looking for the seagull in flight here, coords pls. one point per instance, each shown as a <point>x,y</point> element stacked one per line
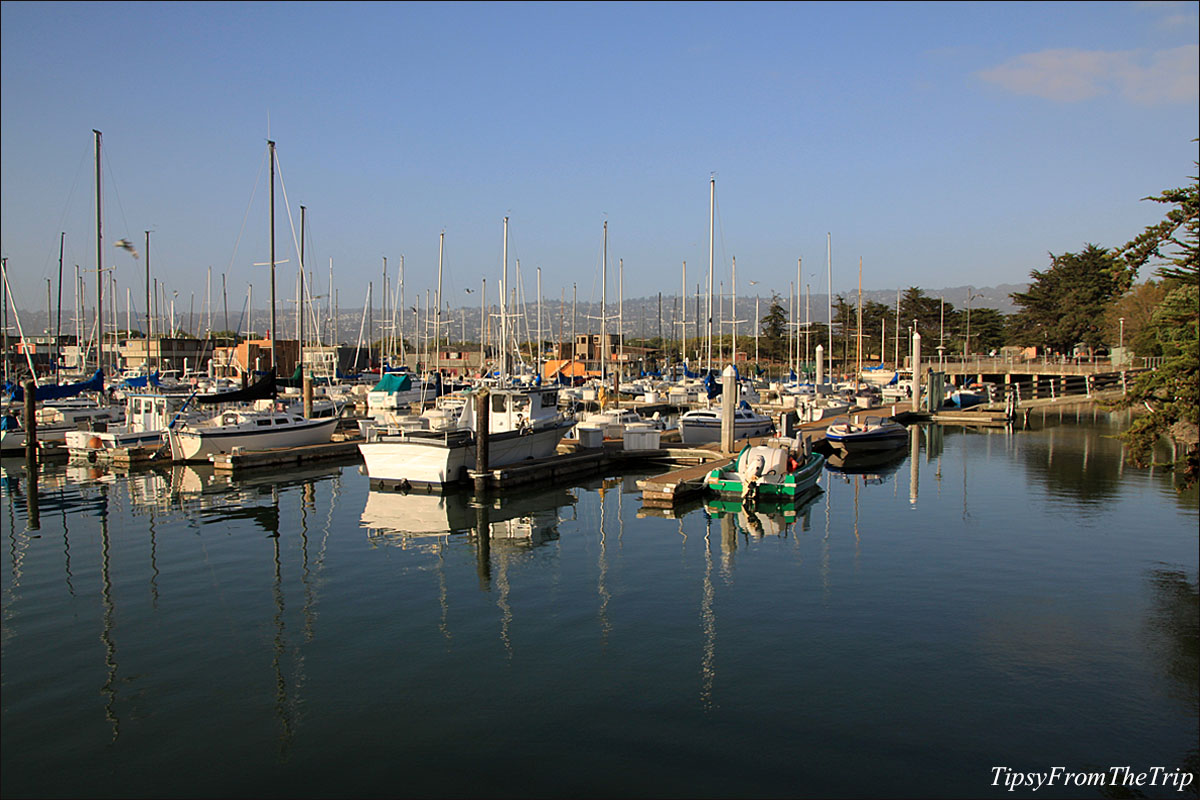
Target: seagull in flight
<point>468,291</point>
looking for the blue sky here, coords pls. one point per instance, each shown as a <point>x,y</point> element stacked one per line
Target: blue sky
<point>945,144</point>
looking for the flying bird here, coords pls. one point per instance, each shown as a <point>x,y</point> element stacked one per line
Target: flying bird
<point>753,283</point>
<point>125,244</point>
<point>468,291</point>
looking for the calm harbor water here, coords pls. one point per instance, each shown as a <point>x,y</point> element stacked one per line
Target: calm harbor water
<point>1003,599</point>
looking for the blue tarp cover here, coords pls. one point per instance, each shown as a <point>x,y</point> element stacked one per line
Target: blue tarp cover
<point>57,392</point>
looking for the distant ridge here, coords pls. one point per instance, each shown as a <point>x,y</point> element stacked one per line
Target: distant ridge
<point>641,313</point>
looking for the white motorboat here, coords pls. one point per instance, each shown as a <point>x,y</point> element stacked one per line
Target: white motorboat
<point>148,414</point>
<point>614,421</point>
<point>875,433</point>
<point>266,426</point>
<point>811,408</point>
<point>523,424</point>
<point>702,425</point>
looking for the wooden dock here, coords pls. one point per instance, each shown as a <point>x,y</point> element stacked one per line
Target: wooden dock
<point>253,459</point>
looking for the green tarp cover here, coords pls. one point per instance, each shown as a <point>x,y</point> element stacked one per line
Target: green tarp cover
<point>393,382</point>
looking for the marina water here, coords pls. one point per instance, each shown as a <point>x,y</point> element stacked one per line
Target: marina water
<point>1007,599</point>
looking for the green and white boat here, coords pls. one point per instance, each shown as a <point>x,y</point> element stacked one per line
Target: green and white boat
<point>777,469</point>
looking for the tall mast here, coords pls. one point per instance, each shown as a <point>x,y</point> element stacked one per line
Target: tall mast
<point>829,267</point>
<point>149,318</point>
<point>300,301</point>
<point>99,263</point>
<point>482,325</point>
<point>683,322</point>
<point>621,315</point>
<point>799,363</point>
<point>807,322</point>
<point>712,199</point>
<point>733,309</point>
<point>274,331</point>
<point>504,309</point>
<point>383,320</point>
<point>437,320</point>
<point>604,308</point>
<point>539,325</point>
<point>858,373</point>
<point>574,320</point>
<point>403,308</point>
<point>58,322</point>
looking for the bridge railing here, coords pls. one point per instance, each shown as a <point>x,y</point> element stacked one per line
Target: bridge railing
<point>1056,365</point>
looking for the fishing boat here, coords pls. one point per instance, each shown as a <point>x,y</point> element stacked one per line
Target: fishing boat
<point>702,425</point>
<point>523,423</point>
<point>780,468</point>
<point>148,414</point>
<point>874,433</point>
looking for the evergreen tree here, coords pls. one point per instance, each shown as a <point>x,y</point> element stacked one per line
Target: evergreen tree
<point>772,342</point>
<point>1065,305</point>
<point>1171,394</point>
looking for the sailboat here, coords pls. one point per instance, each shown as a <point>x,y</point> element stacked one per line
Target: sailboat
<point>875,433</point>
<point>268,424</point>
<point>702,425</point>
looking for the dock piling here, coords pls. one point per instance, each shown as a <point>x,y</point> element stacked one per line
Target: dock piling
<point>482,435</point>
<point>30,422</point>
<point>728,406</point>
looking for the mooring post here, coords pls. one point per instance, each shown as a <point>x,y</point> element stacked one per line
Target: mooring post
<point>482,434</point>
<point>728,406</point>
<point>916,376</point>
<point>308,396</point>
<point>30,421</point>
<point>820,367</point>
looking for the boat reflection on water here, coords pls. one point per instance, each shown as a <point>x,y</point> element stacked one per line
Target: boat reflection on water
<point>874,467</point>
<point>767,518</point>
<point>408,520</point>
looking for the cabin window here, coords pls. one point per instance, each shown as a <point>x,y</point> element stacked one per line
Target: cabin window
<point>263,421</point>
<point>549,399</point>
<point>498,403</point>
<point>521,403</point>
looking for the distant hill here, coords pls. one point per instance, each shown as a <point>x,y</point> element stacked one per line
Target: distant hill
<point>640,314</point>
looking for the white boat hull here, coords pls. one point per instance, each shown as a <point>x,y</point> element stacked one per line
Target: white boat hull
<point>708,430</point>
<point>197,444</point>
<point>429,462</point>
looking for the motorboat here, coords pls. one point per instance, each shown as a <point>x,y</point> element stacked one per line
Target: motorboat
<point>873,433</point>
<point>614,421</point>
<point>267,425</point>
<point>702,425</point>
<point>523,423</point>
<point>148,414</point>
<point>780,468</point>
<point>815,407</point>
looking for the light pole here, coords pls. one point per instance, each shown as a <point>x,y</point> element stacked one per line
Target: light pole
<point>1122,340</point>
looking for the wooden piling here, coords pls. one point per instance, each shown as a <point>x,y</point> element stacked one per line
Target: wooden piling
<point>482,434</point>
<point>30,421</point>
